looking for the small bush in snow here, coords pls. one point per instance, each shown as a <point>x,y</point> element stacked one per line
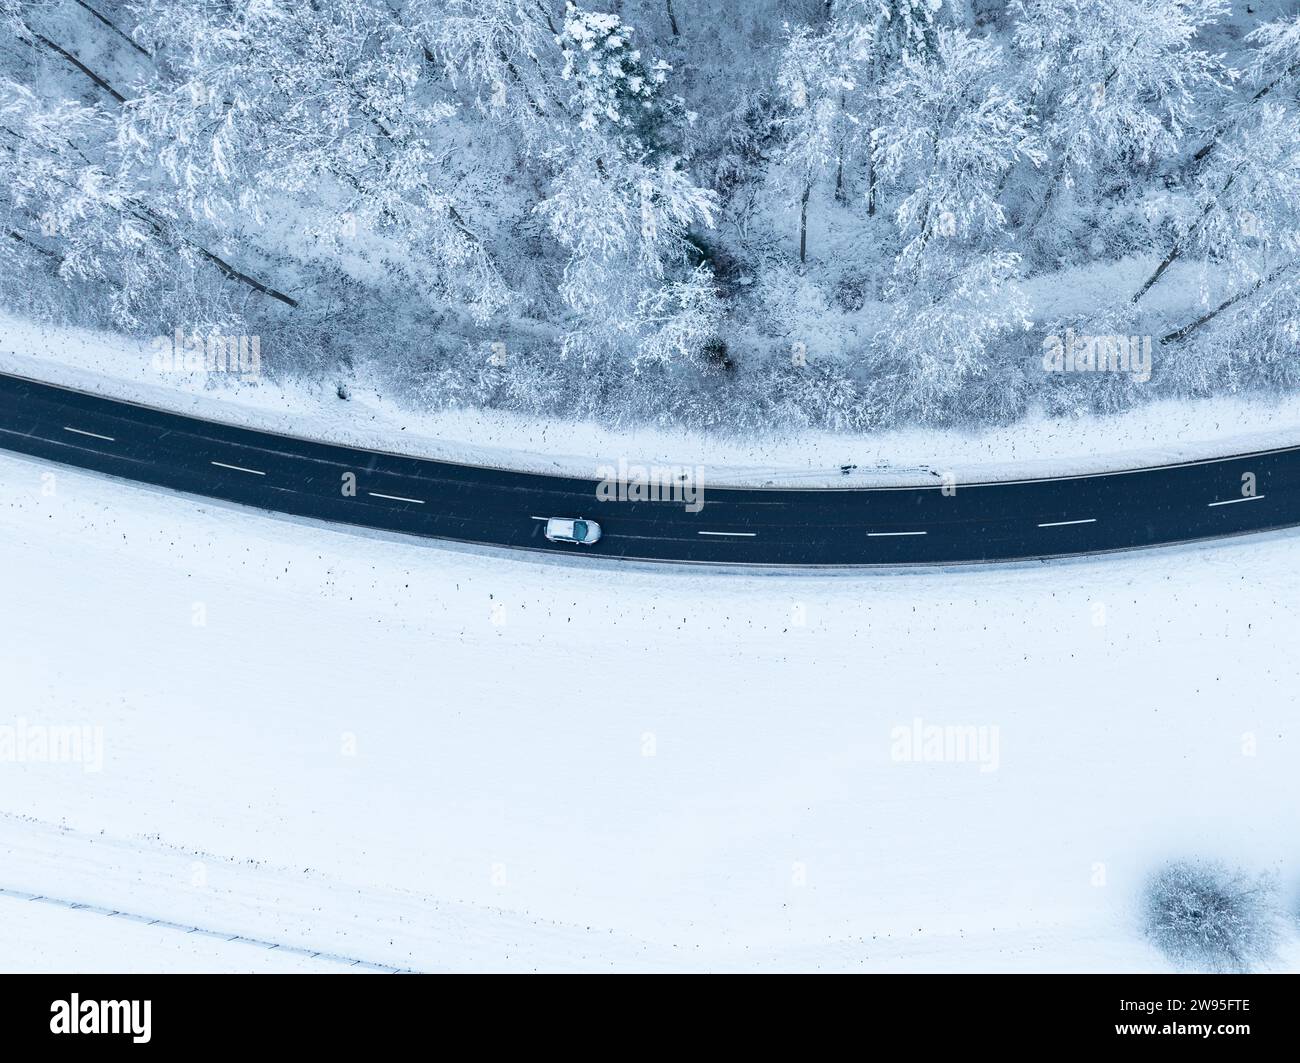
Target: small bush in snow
<point>1204,916</point>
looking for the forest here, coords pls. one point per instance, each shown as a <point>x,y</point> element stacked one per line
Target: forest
<point>746,216</point>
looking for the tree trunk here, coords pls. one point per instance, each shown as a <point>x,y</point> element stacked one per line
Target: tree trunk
<point>35,247</point>
<point>1177,249</point>
<point>550,24</point>
<point>1169,260</point>
<point>871,183</point>
<point>1181,334</point>
<point>803,224</point>
<point>99,81</point>
<point>113,26</point>
<point>672,18</point>
<point>839,159</point>
<point>163,229</point>
<point>1048,193</point>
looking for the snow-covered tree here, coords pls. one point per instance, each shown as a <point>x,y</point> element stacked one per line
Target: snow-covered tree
<point>1243,208</point>
<point>882,33</point>
<point>1209,917</point>
<point>326,104</point>
<point>949,320</point>
<point>678,320</point>
<point>1114,81</point>
<point>830,80</point>
<point>613,87</point>
<point>953,130</point>
<point>1277,58</point>
<point>813,78</point>
<point>350,175</point>
<point>1242,214</point>
<point>618,204</point>
<point>75,212</point>
<point>1274,65</point>
<point>504,51</point>
<point>632,215</point>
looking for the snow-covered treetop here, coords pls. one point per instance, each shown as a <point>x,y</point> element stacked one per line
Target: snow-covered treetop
<point>610,80</point>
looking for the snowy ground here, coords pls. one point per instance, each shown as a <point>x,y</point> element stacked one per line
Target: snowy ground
<point>1154,434</point>
<point>428,757</point>
<point>45,938</point>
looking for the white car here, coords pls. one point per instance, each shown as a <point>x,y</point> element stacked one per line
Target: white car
<point>566,530</point>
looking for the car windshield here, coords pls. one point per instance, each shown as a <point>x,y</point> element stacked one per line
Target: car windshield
<point>579,529</point>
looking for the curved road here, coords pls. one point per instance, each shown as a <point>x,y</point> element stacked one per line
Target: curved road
<point>1000,521</point>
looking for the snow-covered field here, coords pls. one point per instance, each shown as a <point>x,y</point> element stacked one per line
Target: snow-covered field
<point>427,757</point>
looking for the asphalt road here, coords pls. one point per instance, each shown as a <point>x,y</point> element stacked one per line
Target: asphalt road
<point>736,526</point>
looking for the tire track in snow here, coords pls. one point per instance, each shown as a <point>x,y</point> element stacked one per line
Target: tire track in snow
<point>350,962</point>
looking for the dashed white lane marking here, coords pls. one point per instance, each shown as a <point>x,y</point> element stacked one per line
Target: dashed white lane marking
<point>238,468</point>
<point>741,535</point>
<point>1067,523</point>
<point>395,498</point>
<point>93,435</point>
<point>1233,501</point>
<point>890,535</point>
